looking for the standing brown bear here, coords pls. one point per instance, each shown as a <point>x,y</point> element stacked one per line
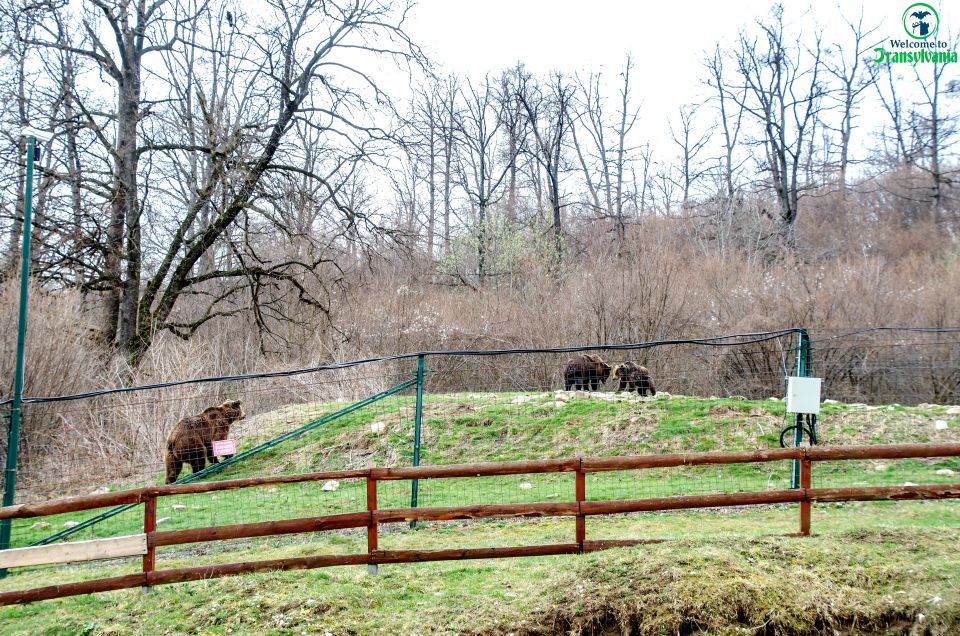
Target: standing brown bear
<point>585,373</point>
<point>191,440</point>
<point>633,376</point>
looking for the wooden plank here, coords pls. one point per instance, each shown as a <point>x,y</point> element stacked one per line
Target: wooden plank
<point>805,466</point>
<point>71,504</point>
<point>179,575</point>
<point>482,511</point>
<point>371,508</point>
<point>691,501</point>
<point>484,469</point>
<point>248,482</point>
<point>259,529</point>
<point>599,464</point>
<point>580,494</point>
<point>887,451</point>
<point>414,556</point>
<point>133,545</point>
<point>149,527</point>
<point>884,493</point>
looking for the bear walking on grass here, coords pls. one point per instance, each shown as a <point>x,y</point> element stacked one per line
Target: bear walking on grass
<point>191,440</point>
<point>632,376</point>
<point>585,373</point>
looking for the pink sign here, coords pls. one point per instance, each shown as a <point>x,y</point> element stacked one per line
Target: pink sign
<point>224,447</point>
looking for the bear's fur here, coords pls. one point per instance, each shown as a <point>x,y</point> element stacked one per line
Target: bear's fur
<point>633,376</point>
<point>191,440</point>
<point>585,372</point>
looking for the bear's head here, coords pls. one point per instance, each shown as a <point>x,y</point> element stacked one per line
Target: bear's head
<point>223,416</point>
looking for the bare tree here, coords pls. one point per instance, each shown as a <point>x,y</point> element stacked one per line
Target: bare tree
<point>484,164</point>
<point>782,90</point>
<point>691,144</point>
<point>547,109</point>
<point>847,69</point>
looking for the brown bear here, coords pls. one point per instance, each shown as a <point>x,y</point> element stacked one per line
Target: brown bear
<point>585,373</point>
<point>191,440</point>
<point>633,376</point>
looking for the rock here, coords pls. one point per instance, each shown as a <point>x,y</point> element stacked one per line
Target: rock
<point>953,410</point>
<point>941,425</point>
<point>880,468</point>
<point>331,485</point>
<point>71,524</point>
<point>774,399</point>
<point>163,520</point>
<point>526,485</point>
<point>178,507</point>
<point>41,525</point>
<point>564,395</point>
<point>945,471</point>
<point>663,394</point>
<point>102,490</point>
<point>558,404</point>
<point>378,428</point>
<point>520,399</point>
<point>909,483</point>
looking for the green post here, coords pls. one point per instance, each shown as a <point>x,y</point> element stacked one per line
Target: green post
<point>417,421</point>
<point>803,370</point>
<point>13,437</point>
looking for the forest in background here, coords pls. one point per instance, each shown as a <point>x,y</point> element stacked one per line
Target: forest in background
<point>232,190</point>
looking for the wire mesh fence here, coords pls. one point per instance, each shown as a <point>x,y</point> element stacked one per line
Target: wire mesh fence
<point>724,393</point>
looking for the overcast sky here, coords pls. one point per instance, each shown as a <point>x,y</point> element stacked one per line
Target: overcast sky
<point>473,37</point>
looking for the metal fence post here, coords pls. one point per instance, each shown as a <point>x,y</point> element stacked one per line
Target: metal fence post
<point>13,437</point>
<point>803,370</point>
<point>417,423</point>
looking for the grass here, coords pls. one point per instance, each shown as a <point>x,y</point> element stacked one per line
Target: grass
<point>871,568</point>
<point>510,426</point>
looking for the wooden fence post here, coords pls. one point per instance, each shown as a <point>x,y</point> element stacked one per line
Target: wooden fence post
<point>149,527</point>
<point>581,495</point>
<point>372,525</point>
<point>805,468</point>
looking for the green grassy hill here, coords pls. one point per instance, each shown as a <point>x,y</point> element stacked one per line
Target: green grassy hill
<point>875,566</point>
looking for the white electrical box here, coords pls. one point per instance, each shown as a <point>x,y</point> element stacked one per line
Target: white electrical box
<point>803,395</point>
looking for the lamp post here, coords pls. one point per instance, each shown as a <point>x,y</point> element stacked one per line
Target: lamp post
<point>13,438</point>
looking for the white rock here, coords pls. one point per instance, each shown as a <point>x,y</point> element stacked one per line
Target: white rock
<point>102,490</point>
<point>331,485</point>
<point>558,404</point>
<point>520,399</point>
<point>880,468</point>
<point>831,401</point>
<point>163,520</point>
<point>378,428</point>
<point>909,483</point>
<point>945,471</point>
<point>774,399</point>
<point>936,599</point>
<point>178,507</point>
<point>920,618</point>
<point>526,485</point>
<point>70,524</point>
<point>564,395</point>
<point>40,525</point>
<point>953,410</point>
<point>941,425</point>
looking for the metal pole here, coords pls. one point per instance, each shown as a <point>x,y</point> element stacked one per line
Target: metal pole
<point>13,438</point>
<point>803,353</point>
<point>417,422</point>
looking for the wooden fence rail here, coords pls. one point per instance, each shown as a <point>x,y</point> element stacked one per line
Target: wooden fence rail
<point>580,509</point>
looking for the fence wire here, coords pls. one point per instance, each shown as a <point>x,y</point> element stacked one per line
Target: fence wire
<point>725,393</point>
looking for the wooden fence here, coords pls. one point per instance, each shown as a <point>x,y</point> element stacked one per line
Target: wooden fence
<point>145,544</point>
